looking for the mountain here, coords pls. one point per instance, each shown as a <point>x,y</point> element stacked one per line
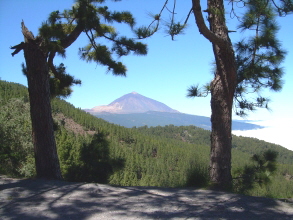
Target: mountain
<point>132,103</point>
<point>137,110</point>
<point>153,119</point>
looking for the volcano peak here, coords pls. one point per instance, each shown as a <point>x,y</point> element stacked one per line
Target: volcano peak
<point>132,103</point>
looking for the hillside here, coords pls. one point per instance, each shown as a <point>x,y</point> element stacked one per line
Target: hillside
<point>196,135</point>
<point>93,150</point>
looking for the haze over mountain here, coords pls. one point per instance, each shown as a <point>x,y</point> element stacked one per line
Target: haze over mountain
<point>137,110</point>
<point>132,103</point>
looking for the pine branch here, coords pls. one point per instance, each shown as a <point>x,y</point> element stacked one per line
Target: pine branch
<point>187,18</point>
<point>72,36</point>
<point>173,14</point>
<point>145,32</point>
<point>51,64</point>
<point>203,29</point>
<point>17,48</point>
<point>91,38</point>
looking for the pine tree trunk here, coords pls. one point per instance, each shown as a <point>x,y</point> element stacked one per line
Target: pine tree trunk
<point>46,158</point>
<point>220,155</point>
<point>222,93</point>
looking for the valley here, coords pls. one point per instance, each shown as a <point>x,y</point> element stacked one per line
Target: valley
<point>93,150</point>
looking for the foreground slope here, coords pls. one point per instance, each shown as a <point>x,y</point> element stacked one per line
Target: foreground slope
<point>39,199</point>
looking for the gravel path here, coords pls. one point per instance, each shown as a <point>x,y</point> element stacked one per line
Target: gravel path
<point>40,199</point>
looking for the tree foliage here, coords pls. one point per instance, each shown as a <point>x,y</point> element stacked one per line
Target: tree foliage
<point>87,17</point>
<point>258,56</point>
<point>16,149</point>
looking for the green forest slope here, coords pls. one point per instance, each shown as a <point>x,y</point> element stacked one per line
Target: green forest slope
<point>93,150</point>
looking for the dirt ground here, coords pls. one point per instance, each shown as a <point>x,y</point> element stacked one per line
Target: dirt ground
<point>42,199</point>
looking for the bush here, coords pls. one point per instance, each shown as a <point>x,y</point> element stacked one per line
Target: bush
<point>259,172</point>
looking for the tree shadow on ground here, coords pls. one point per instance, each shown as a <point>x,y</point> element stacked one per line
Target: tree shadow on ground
<point>40,199</point>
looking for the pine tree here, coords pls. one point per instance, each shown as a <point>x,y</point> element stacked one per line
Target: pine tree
<point>55,36</point>
<point>254,66</point>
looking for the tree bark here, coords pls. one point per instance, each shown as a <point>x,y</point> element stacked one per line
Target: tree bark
<point>221,138</point>
<point>37,57</point>
<point>222,94</point>
<point>222,91</point>
<point>46,158</point>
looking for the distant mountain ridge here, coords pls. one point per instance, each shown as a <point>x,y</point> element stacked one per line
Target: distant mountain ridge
<point>153,119</point>
<point>137,110</point>
<point>132,103</point>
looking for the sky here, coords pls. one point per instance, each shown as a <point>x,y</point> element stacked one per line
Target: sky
<point>164,74</point>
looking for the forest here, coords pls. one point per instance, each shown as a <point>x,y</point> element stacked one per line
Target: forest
<point>93,150</point>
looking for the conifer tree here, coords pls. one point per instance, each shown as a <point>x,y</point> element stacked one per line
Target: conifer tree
<point>254,66</point>
<point>54,37</point>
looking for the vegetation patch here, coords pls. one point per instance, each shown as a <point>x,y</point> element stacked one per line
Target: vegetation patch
<point>93,150</point>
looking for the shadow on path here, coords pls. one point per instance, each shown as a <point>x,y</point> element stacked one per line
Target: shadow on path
<point>41,199</point>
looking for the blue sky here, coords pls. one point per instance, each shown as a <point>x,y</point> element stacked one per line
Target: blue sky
<point>164,74</point>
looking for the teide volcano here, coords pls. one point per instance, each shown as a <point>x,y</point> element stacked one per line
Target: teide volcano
<point>137,110</point>
<point>132,103</point>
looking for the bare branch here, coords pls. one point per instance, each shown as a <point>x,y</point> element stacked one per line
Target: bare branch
<point>187,18</point>
<point>282,11</point>
<point>17,48</point>
<point>28,35</point>
<point>203,29</point>
<point>233,14</point>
